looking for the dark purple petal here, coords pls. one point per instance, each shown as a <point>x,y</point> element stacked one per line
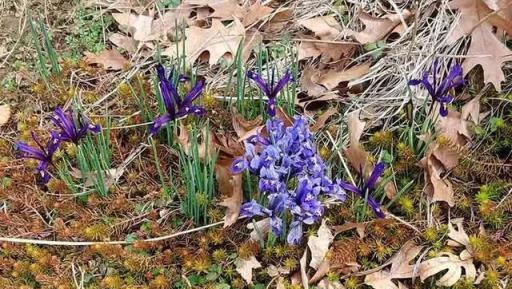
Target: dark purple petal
<point>239,165</point>
<point>53,144</point>
<point>287,77</point>
<point>443,110</point>
<point>426,83</point>
<point>414,82</point>
<point>65,122</point>
<point>350,187</point>
<point>26,151</point>
<point>159,122</point>
<point>166,84</point>
<point>194,93</point>
<point>95,128</point>
<point>264,87</point>
<point>295,233</point>
<point>375,207</point>
<point>378,170</point>
<point>454,79</point>
<point>166,98</point>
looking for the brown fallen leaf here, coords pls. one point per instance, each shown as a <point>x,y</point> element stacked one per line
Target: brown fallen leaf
<point>308,85</point>
<point>5,113</point>
<point>332,78</point>
<point>435,187</point>
<point>222,9</point>
<point>256,12</point>
<point>485,49</point>
<point>259,229</point>
<point>245,266</point>
<point>230,186</point>
<point>360,228</point>
<point>218,40</point>
<point>322,119</point>
<point>458,237</point>
<point>400,268</point>
<point>454,128</point>
<point>356,155</point>
<point>327,29</point>
<point>377,28</point>
<point>450,262</point>
<point>125,42</point>
<point>109,59</point>
<point>243,126</point>
<point>471,110</point>
<point>303,270</point>
<point>252,42</point>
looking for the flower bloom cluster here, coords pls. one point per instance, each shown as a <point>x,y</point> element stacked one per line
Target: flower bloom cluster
<point>292,176</point>
<point>175,106</point>
<point>72,129</point>
<point>439,87</point>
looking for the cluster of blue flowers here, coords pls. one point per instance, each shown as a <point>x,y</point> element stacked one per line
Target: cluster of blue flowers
<point>71,129</point>
<point>292,175</point>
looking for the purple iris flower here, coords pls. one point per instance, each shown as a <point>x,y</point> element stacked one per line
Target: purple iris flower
<point>292,176</point>
<point>440,87</point>
<point>72,129</point>
<point>272,89</point>
<point>175,106</point>
<point>368,188</point>
<point>40,153</point>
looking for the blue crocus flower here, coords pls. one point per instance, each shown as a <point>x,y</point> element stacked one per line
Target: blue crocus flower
<point>40,153</point>
<point>368,188</point>
<point>439,87</point>
<point>175,106</point>
<point>71,129</point>
<point>272,89</point>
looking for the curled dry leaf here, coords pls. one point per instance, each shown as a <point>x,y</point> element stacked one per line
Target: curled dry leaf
<point>377,28</point>
<point>245,267</point>
<point>319,245</point>
<point>242,126</point>
<point>435,187</point>
<point>230,186</point>
<point>5,113</point>
<point>109,59</point>
<point>222,9</point>
<point>360,228</point>
<point>125,42</point>
<point>326,28</point>
<point>356,155</point>
<point>458,237</point>
<point>400,268</point>
<point>322,119</point>
<point>450,262</point>
<point>332,78</point>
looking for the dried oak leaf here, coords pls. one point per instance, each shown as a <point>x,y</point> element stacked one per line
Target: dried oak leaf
<point>377,28</point>
<point>400,268</point>
<point>326,28</point>
<point>255,13</point>
<point>453,264</point>
<point>330,79</point>
<point>485,49</point>
<point>125,42</point>
<point>5,113</point>
<point>109,59</point>
<point>222,9</point>
<point>322,119</point>
<point>245,267</point>
<point>242,126</point>
<point>218,41</point>
<point>327,284</point>
<point>360,228</point>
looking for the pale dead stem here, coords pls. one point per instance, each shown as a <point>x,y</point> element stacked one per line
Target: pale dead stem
<point>87,243</point>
